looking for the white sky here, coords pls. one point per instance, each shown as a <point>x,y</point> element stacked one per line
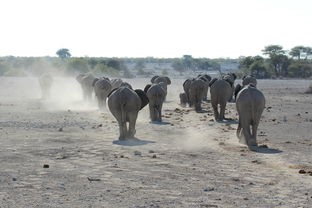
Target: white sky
<point>158,28</point>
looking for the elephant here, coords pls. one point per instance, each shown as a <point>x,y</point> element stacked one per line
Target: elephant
<point>230,78</point>
<point>87,82</point>
<point>102,87</point>
<point>45,81</point>
<point>197,87</point>
<point>125,103</point>
<point>220,91</point>
<point>186,88</point>
<point>247,79</point>
<point>116,83</point>
<point>183,99</point>
<point>161,79</point>
<point>250,104</point>
<point>156,96</point>
<point>206,78</point>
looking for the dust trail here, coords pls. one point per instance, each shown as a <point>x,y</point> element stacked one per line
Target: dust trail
<point>193,139</point>
<point>66,94</point>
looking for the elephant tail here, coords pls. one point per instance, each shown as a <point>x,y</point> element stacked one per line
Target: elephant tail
<point>252,105</point>
<point>123,113</point>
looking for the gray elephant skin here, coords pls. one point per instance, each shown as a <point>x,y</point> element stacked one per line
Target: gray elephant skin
<point>156,95</point>
<point>220,91</point>
<point>86,81</point>
<point>250,104</point>
<point>45,82</point>
<point>125,104</point>
<point>197,87</point>
<point>206,78</point>
<point>102,87</point>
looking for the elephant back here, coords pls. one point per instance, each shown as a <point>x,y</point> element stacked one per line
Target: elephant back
<point>103,84</point>
<point>116,83</point>
<point>164,79</point>
<point>153,78</point>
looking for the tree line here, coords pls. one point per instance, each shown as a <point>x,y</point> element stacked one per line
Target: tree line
<point>275,63</point>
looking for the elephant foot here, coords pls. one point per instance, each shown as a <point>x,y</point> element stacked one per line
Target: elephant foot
<point>131,134</point>
<point>122,138</point>
<point>253,148</point>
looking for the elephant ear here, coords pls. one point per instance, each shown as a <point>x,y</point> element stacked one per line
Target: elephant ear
<point>207,77</point>
<point>212,81</point>
<point>94,81</point>
<point>147,87</point>
<point>111,92</point>
<point>143,96</point>
<point>238,88</point>
<point>153,78</point>
<point>186,81</point>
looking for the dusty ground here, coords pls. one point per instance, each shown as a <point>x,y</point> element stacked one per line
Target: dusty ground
<point>189,160</point>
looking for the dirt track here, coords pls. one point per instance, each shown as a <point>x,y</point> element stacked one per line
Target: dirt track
<point>189,160</point>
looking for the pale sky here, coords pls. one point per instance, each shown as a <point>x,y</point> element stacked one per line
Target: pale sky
<point>158,28</point>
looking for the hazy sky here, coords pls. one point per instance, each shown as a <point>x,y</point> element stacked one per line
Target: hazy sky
<point>158,28</point>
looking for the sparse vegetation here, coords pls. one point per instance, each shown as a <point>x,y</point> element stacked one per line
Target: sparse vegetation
<point>278,64</point>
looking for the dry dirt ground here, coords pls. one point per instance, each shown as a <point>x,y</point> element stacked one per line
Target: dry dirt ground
<point>63,152</point>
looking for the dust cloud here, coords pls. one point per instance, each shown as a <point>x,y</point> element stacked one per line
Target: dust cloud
<point>66,94</point>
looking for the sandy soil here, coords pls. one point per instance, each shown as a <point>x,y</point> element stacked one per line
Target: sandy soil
<point>64,152</point>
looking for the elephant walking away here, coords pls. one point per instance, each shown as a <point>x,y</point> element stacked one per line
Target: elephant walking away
<point>102,87</point>
<point>156,95</point>
<point>87,82</point>
<point>250,104</point>
<point>45,81</point>
<point>196,90</point>
<point>125,104</point>
<point>220,91</point>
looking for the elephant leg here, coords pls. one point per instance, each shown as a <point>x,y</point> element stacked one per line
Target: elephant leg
<point>239,131</point>
<point>198,106</point>
<point>132,121</point>
<point>205,92</point>
<point>152,112</point>
<point>222,111</point>
<point>122,130</point>
<point>159,112</point>
<point>253,140</point>
<point>215,110</point>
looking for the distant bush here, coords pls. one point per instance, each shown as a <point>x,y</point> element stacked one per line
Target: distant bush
<point>107,71</point>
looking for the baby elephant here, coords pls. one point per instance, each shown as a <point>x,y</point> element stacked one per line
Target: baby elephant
<point>250,104</point>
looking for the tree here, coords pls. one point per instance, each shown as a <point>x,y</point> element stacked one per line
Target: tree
<point>296,51</point>
<point>272,50</point>
<point>188,62</point>
<point>277,57</point>
<point>63,53</point>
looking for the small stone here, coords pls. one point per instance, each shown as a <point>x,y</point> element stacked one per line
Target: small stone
<point>151,151</point>
<point>46,166</point>
<point>14,179</point>
<point>302,171</point>
<point>138,153</point>
<point>60,129</point>
<point>154,156</point>
<point>209,189</point>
